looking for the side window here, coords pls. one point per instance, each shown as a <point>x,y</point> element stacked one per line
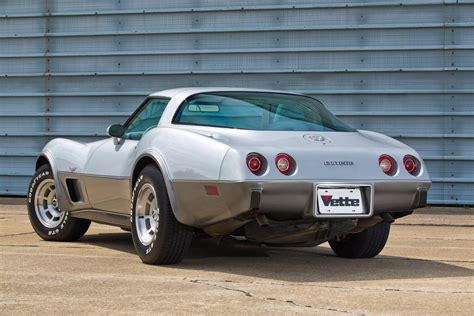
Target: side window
<point>146,118</point>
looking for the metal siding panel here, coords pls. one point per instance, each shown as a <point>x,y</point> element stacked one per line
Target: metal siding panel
<point>12,7</point>
<point>21,46</point>
<point>296,81</point>
<point>442,147</point>
<point>21,165</point>
<point>87,6</point>
<point>405,103</point>
<point>21,105</point>
<point>10,66</point>
<point>451,169</point>
<point>319,61</point>
<point>91,105</point>
<point>281,39</point>
<point>405,70</point>
<point>249,19</point>
<point>18,26</point>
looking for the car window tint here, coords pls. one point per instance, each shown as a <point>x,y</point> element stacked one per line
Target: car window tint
<point>258,111</point>
<point>147,118</point>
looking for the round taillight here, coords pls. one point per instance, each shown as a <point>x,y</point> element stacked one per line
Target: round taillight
<point>283,163</point>
<point>254,163</point>
<point>386,163</point>
<point>410,164</point>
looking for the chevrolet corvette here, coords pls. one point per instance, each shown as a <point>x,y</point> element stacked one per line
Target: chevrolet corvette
<point>253,166</point>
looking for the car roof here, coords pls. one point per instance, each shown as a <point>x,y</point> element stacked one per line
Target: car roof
<point>195,90</point>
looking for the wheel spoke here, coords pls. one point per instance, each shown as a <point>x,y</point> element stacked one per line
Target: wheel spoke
<point>46,204</point>
<point>148,222</point>
<point>53,212</point>
<point>146,219</point>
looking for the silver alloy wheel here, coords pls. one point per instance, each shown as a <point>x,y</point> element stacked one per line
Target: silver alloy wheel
<point>147,214</point>
<point>46,204</point>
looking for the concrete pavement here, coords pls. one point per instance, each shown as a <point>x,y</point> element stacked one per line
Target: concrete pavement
<point>426,268</point>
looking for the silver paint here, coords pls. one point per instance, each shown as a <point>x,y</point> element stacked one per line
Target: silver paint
<point>191,156</point>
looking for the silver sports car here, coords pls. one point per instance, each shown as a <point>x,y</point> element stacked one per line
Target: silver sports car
<point>252,166</point>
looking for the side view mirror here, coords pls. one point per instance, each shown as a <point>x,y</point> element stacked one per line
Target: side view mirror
<point>116,130</point>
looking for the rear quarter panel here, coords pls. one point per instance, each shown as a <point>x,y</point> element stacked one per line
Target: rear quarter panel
<point>188,161</point>
<point>186,155</point>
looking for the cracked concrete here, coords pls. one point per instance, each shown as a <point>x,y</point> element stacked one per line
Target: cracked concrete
<point>248,294</point>
<point>426,268</point>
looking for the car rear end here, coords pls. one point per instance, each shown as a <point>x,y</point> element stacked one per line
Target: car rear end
<point>326,175</point>
<point>293,173</point>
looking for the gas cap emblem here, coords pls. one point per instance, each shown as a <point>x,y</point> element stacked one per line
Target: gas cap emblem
<point>315,138</point>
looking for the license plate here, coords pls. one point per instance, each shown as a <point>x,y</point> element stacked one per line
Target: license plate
<point>340,201</point>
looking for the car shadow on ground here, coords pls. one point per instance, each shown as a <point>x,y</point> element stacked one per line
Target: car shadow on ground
<point>318,264</point>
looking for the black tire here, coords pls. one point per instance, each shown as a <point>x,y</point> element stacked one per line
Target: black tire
<point>171,239</point>
<point>366,244</point>
<point>67,228</point>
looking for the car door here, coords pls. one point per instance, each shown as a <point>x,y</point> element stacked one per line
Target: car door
<point>109,166</point>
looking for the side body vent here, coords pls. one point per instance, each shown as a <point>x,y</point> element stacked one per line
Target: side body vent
<point>74,190</point>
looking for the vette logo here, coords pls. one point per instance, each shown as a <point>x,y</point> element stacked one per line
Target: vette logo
<point>342,201</point>
<point>339,163</point>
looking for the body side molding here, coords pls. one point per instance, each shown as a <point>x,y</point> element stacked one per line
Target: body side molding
<point>104,217</point>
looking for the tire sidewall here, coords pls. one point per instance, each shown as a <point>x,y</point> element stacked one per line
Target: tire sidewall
<point>146,252</point>
<point>42,174</point>
<point>366,244</point>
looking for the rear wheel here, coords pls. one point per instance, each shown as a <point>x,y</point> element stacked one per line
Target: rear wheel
<point>158,237</point>
<point>47,219</point>
<point>366,244</point>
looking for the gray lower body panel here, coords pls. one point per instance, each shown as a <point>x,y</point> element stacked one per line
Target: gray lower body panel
<point>101,199</point>
<point>103,217</point>
<point>109,194</point>
<point>204,203</point>
<point>281,200</point>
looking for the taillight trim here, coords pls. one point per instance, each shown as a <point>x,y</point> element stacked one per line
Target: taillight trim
<point>261,163</point>
<point>393,165</point>
<point>292,166</point>
<point>287,170</point>
<point>416,165</point>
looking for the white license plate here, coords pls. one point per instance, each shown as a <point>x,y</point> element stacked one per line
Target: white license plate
<point>340,201</point>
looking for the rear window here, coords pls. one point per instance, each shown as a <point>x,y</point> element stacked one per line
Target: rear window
<point>258,111</point>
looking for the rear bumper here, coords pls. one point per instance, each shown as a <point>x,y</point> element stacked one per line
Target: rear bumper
<point>283,200</point>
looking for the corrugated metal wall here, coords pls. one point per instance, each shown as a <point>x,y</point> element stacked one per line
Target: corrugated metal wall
<point>404,68</point>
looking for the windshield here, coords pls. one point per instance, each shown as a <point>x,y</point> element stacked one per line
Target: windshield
<point>258,111</point>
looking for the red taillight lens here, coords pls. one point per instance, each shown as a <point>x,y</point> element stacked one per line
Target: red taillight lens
<point>410,164</point>
<point>254,163</point>
<point>283,163</point>
<point>386,163</point>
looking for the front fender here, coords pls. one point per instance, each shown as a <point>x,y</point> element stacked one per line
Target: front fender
<point>48,155</point>
<point>63,155</point>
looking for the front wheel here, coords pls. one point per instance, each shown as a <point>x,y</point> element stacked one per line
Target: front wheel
<point>158,237</point>
<point>366,244</point>
<point>48,220</point>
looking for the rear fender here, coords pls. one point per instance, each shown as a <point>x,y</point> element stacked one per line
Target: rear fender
<point>161,164</point>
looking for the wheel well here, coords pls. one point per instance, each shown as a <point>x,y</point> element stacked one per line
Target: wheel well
<point>142,163</point>
<point>42,160</point>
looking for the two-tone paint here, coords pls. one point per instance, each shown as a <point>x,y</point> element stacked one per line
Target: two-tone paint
<point>193,157</point>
